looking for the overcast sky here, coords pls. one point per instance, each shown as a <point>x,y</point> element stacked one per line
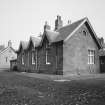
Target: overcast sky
<point>19,19</point>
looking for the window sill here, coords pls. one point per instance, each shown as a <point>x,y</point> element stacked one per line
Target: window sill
<point>48,63</point>
<point>90,63</point>
<point>33,63</point>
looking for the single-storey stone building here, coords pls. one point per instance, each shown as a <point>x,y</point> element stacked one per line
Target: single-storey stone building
<point>6,54</point>
<point>70,49</point>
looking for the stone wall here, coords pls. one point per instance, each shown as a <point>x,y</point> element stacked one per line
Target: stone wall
<point>76,53</point>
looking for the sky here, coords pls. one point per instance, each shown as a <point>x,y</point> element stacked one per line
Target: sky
<point>20,19</point>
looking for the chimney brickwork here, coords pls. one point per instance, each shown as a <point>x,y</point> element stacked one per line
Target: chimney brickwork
<point>58,23</point>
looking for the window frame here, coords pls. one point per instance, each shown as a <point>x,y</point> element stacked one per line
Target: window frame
<point>22,59</point>
<point>33,58</point>
<point>47,62</point>
<point>91,56</point>
<point>28,55</point>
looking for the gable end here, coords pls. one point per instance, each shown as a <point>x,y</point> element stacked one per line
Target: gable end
<point>93,35</point>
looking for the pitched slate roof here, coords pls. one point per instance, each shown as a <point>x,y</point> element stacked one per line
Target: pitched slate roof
<point>35,41</point>
<point>68,29</point>
<point>5,49</point>
<point>52,35</point>
<point>63,32</point>
<point>23,44</point>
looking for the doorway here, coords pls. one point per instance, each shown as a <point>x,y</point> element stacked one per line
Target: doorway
<point>102,64</point>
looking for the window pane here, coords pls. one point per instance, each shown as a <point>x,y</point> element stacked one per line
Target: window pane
<point>47,58</point>
<point>33,59</point>
<point>23,60</point>
<point>91,57</point>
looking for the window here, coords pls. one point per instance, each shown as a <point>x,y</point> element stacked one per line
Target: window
<point>28,58</point>
<point>22,59</point>
<point>47,62</point>
<point>33,58</point>
<point>36,56</point>
<point>91,56</point>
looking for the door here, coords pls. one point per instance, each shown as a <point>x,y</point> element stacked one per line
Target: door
<point>102,64</point>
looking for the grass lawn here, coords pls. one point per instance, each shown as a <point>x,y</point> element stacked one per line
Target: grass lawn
<point>22,90</point>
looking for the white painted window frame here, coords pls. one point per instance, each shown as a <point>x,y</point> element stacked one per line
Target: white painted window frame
<point>32,58</point>
<point>47,62</point>
<point>36,58</point>
<point>91,56</point>
<point>22,59</point>
<point>28,55</point>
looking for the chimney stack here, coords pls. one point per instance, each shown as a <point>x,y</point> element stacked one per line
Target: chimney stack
<point>101,40</point>
<point>58,23</point>
<point>46,26</point>
<point>9,43</point>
